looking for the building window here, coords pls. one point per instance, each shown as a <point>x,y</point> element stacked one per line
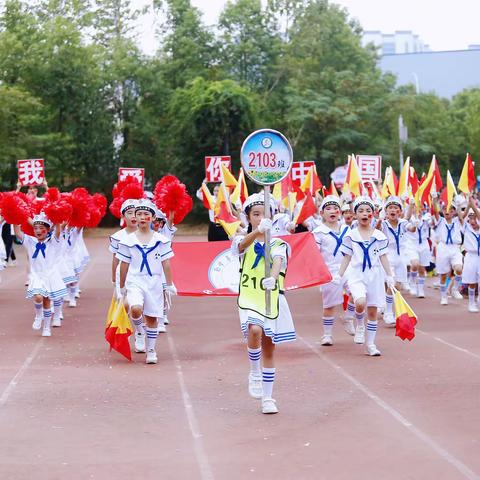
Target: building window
<point>388,48</point>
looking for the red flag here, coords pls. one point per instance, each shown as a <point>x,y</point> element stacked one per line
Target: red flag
<point>118,329</point>
<point>414,183</point>
<point>443,196</point>
<point>405,318</point>
<point>308,209</point>
<point>210,268</point>
<point>395,182</point>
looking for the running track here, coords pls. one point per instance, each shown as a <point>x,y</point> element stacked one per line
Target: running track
<point>70,409</point>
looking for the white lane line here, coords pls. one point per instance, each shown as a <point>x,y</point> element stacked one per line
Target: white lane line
<point>201,456</point>
<point>448,344</point>
<point>447,456</point>
<point>14,381</point>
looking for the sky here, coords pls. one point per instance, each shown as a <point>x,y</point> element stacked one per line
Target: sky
<point>447,25</point>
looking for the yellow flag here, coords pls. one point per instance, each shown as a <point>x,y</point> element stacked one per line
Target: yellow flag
<point>404,177</point>
<point>228,178</point>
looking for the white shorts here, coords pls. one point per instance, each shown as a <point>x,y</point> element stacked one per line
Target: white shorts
<point>471,268</point>
<point>147,292</point>
<point>399,266</point>
<point>420,253</point>
<point>447,257</point>
<point>369,285</point>
<point>332,293</point>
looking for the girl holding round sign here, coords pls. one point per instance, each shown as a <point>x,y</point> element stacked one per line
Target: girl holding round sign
<point>265,317</point>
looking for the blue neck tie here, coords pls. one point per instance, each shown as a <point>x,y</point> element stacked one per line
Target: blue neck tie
<point>396,235</point>
<point>145,253</point>
<point>338,239</point>
<point>366,255</point>
<point>449,234</point>
<point>419,230</point>
<point>39,248</point>
<point>477,238</point>
<point>259,249</point>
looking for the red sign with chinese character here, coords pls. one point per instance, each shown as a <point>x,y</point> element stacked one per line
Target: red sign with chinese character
<point>31,172</point>
<point>212,167</point>
<point>300,170</point>
<point>370,166</point>
<point>138,173</point>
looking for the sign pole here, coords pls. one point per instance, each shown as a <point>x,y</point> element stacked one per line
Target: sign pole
<point>266,196</point>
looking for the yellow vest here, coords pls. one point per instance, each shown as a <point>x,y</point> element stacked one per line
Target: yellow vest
<point>252,294</point>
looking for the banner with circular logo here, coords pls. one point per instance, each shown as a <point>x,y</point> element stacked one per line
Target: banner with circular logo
<point>266,157</point>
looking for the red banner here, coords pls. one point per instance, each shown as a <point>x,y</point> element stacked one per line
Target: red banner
<point>209,268</point>
<point>31,172</point>
<point>212,168</point>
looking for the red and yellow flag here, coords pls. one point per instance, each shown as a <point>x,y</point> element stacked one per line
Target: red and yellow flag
<point>118,328</point>
<point>223,212</point>
<point>435,171</point>
<point>423,192</point>
<point>227,177</point>
<point>240,194</point>
<point>404,183</point>
<point>308,208</point>
<point>451,190</point>
<point>405,318</point>
<point>413,180</point>
<point>207,198</point>
<point>354,178</point>
<point>311,183</point>
<point>467,179</point>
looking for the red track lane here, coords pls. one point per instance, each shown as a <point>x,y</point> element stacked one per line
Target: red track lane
<point>70,409</point>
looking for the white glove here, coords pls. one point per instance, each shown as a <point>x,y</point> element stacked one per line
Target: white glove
<point>123,291</point>
<point>390,281</point>
<point>265,224</point>
<point>171,289</point>
<point>290,226</point>
<point>269,283</point>
<point>405,196</point>
<point>336,278</point>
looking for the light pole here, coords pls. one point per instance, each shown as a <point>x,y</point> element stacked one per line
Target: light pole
<point>403,137</point>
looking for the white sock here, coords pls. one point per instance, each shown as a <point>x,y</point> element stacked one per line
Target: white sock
<point>38,309</point>
<point>371,331</point>
<point>47,318</point>
<point>71,291</point>
<point>389,304</point>
<point>268,377</point>
<point>57,307</point>
<point>471,296</point>
<point>413,278</point>
<point>457,282</point>
<point>255,357</point>
<point>152,335</point>
<point>421,282</point>
<point>443,290</point>
<point>328,325</point>
<point>350,313</point>
<point>138,324</point>
<point>360,319</point>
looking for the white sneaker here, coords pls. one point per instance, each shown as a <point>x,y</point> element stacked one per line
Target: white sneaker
<point>444,301</point>
<point>389,319</point>
<point>359,335</point>
<point>77,294</point>
<point>269,405</point>
<point>255,388</point>
<point>372,350</point>
<point>37,323</point>
<point>414,290</point>
<point>72,303</point>
<point>151,357</point>
<point>327,341</point>
<point>456,294</point>
<point>420,293</point>
<point>140,342</point>
<point>46,332</point>
<point>56,322</point>
<point>161,327</point>
<point>166,321</point>
<point>348,326</point>
<point>473,307</point>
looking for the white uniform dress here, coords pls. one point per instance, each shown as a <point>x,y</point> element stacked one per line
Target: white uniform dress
<point>471,267</point>
<point>69,253</point>
<point>83,257</point>
<point>418,247</point>
<point>329,243</point>
<point>397,246</point>
<point>449,237</point>
<point>365,276</point>
<point>115,240</point>
<point>65,264</point>
<point>280,329</point>
<point>279,224</point>
<point>144,279</point>
<point>44,278</point>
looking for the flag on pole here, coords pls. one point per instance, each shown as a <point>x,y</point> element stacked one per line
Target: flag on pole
<point>311,183</point>
<point>435,171</point>
<point>207,198</point>
<point>404,182</point>
<point>353,180</point>
<point>405,318</point>
<point>227,178</point>
<point>118,328</point>
<point>413,180</point>
<point>451,190</point>
<point>308,208</point>
<point>424,190</point>
<point>467,178</point>
<point>223,212</point>
<point>240,194</point>
<point>332,190</point>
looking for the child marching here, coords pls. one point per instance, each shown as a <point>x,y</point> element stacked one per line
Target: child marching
<point>365,252</point>
<point>263,331</point>
<point>144,256</point>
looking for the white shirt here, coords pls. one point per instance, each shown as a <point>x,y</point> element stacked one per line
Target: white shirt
<point>365,253</point>
<point>471,241</point>
<point>329,243</point>
<point>42,259</point>
<point>397,240</point>
<point>443,228</point>
<point>279,224</point>
<point>116,239</point>
<point>145,260</point>
<point>419,238</point>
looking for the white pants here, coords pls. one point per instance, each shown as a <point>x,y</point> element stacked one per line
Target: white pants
<point>447,257</point>
<point>471,268</point>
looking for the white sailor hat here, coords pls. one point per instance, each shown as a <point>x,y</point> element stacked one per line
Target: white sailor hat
<point>257,199</point>
<point>393,201</point>
<point>128,204</point>
<point>160,215</point>
<point>42,219</point>
<point>147,205</point>
<point>363,201</point>
<point>330,200</point>
<point>346,207</point>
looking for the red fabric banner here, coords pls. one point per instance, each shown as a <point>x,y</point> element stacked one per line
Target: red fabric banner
<point>209,268</point>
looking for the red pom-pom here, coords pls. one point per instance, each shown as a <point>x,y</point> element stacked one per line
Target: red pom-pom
<point>121,184</point>
<point>27,229</point>
<point>80,208</point>
<point>115,207</point>
<point>14,209</point>
<point>81,193</point>
<point>59,211</point>
<point>171,196</point>
<point>37,205</point>
<point>132,191</point>
<point>52,195</point>
<point>100,201</point>
<point>98,207</point>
